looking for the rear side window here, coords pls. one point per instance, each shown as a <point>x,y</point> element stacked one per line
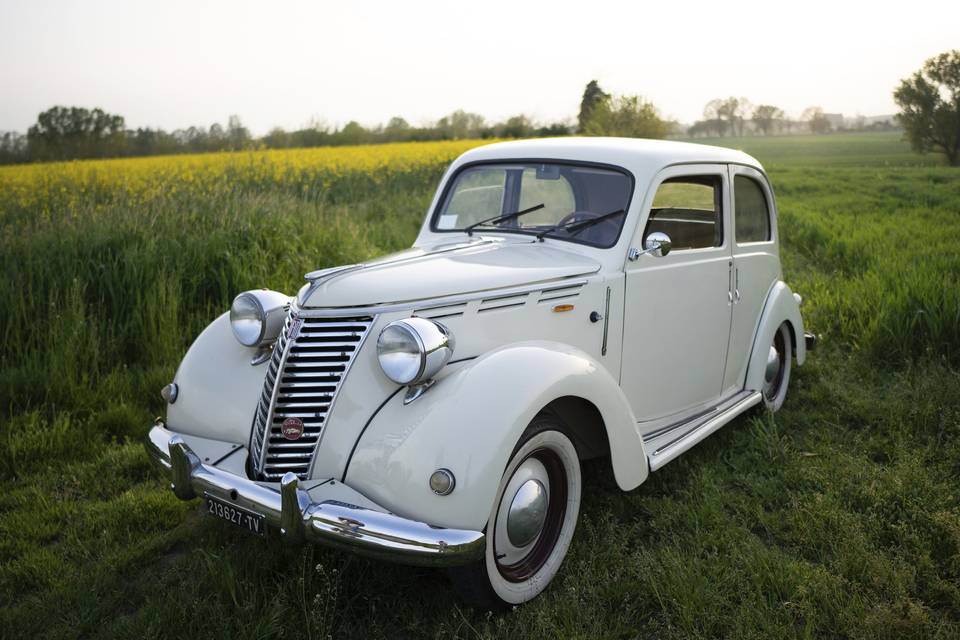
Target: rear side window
<point>688,210</point>
<point>750,210</point>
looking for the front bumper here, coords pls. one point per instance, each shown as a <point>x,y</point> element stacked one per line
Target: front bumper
<point>299,518</point>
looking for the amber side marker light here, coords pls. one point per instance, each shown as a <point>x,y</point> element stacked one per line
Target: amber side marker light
<point>560,308</point>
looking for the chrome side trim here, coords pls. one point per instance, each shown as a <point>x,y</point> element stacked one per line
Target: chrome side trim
<point>389,307</point>
<point>699,428</point>
<point>330,522</point>
<point>606,323</point>
<point>321,276</point>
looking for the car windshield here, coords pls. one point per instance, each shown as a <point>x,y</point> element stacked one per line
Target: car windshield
<point>558,195</point>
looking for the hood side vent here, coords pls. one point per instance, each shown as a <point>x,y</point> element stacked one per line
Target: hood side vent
<point>442,311</point>
<point>503,302</point>
<point>559,293</point>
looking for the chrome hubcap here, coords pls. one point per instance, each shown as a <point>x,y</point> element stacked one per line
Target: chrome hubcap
<point>521,516</point>
<point>773,365</point>
<point>776,364</point>
<point>527,512</point>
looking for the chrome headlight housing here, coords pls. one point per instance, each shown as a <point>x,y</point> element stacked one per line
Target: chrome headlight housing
<point>412,350</point>
<point>257,316</point>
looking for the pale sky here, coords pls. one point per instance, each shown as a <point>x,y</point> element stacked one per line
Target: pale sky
<point>176,63</point>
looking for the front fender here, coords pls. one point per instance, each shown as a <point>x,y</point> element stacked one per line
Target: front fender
<point>781,306</point>
<point>470,421</point>
<point>218,389</point>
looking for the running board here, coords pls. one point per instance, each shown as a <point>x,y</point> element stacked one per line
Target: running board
<point>665,444</point>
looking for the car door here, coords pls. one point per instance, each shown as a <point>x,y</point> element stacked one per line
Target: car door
<point>756,265</point>
<point>677,307</point>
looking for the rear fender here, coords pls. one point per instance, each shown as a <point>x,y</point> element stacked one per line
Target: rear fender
<point>470,421</point>
<point>781,306</point>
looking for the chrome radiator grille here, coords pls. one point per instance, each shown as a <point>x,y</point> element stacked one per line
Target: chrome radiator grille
<point>309,362</point>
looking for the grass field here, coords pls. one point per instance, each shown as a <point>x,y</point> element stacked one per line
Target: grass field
<point>838,517</point>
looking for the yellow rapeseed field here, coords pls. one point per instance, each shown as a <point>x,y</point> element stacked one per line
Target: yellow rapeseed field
<point>314,172</point>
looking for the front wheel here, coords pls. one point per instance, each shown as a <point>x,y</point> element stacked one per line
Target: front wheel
<point>531,523</point>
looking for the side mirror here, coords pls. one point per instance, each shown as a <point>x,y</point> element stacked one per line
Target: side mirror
<point>658,244</point>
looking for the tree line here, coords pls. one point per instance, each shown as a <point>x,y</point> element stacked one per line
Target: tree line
<point>737,116</point>
<point>68,133</point>
<point>929,102</point>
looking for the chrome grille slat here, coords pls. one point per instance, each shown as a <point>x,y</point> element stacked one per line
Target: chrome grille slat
<point>302,381</point>
<point>306,375</point>
<point>286,445</point>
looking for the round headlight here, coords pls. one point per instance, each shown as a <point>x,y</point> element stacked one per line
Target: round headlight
<point>256,317</point>
<point>413,350</point>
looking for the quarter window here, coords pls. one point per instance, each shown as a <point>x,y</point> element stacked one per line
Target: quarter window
<point>750,210</point>
<point>688,210</point>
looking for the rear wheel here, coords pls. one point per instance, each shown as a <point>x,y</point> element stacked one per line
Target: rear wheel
<point>532,521</point>
<point>776,375</point>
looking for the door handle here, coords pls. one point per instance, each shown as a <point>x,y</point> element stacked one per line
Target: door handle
<point>730,282</point>
<point>736,286</point>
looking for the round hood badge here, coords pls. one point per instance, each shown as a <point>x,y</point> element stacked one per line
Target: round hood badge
<point>292,428</point>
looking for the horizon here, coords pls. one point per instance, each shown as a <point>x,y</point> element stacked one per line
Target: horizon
<point>196,65</point>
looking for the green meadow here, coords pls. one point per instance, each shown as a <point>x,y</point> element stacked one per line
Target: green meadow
<point>837,517</point>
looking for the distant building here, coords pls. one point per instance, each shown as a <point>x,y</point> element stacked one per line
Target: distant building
<point>835,120</point>
<point>869,120</point>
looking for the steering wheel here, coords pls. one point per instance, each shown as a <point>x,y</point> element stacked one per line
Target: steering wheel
<point>579,216</point>
<point>596,233</point>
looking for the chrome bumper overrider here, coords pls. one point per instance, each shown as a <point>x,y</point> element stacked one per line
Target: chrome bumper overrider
<point>298,518</point>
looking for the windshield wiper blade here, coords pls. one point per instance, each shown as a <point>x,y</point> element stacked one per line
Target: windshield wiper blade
<point>502,218</point>
<point>573,228</point>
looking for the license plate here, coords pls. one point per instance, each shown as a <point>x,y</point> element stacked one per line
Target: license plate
<point>252,522</point>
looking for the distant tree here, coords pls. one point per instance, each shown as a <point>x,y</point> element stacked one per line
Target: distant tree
<point>74,132</point>
<point>518,126</point>
<point>727,114</point>
<point>352,133</point>
<point>628,116</point>
<point>816,120</point>
<point>766,117</point>
<point>929,102</point>
<point>13,147</point>
<point>741,111</point>
<point>215,139</point>
<point>397,129</point>
<point>593,97</point>
<point>277,138</point>
<point>460,125</point>
<point>555,129</point>
<point>714,119</point>
<point>238,136</point>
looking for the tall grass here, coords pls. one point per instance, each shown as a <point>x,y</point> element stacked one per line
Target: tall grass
<point>838,516</point>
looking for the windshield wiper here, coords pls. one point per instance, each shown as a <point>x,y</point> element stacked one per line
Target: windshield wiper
<point>503,218</point>
<point>573,228</point>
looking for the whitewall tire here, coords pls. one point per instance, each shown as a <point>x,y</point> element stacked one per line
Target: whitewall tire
<point>776,375</point>
<point>531,523</point>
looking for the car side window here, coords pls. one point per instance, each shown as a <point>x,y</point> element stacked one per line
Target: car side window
<point>750,210</point>
<point>688,209</point>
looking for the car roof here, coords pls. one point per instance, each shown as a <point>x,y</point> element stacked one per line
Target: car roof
<point>641,156</point>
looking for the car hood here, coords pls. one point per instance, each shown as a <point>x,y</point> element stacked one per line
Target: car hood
<point>442,270</point>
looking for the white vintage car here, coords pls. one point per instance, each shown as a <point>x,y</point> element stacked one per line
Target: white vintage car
<point>565,299</point>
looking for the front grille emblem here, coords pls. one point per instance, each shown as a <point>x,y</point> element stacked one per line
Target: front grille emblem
<point>292,428</point>
<point>295,323</point>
